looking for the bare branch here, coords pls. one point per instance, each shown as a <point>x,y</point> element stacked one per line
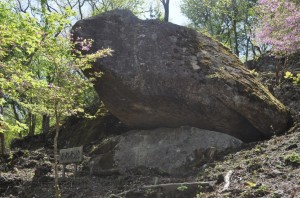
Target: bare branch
<point>50,8</point>
<point>70,3</point>
<point>20,6</point>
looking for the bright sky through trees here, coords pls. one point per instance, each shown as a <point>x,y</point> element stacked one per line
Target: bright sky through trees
<point>175,13</point>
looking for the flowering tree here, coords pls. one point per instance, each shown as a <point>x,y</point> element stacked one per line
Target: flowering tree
<point>33,51</point>
<point>279,25</point>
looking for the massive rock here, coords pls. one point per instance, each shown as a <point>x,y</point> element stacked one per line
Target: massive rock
<point>171,150</point>
<point>165,75</point>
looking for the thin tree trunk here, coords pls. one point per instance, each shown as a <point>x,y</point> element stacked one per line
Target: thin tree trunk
<point>284,67</point>
<point>2,137</point>
<point>236,44</point>
<point>80,5</point>
<point>166,8</point>
<point>45,124</point>
<point>56,184</point>
<point>2,141</point>
<point>210,26</point>
<point>246,32</point>
<point>234,26</point>
<point>17,117</point>
<point>247,49</point>
<point>253,50</point>
<point>31,124</point>
<point>277,71</point>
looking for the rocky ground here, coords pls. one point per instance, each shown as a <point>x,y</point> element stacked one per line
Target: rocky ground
<point>263,169</point>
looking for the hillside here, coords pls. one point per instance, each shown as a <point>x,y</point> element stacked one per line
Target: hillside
<point>262,169</point>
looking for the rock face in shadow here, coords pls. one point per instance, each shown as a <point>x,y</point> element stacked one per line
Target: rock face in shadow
<point>170,150</point>
<point>165,75</point>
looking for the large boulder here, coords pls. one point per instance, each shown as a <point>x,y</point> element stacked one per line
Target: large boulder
<point>165,75</point>
<point>170,150</point>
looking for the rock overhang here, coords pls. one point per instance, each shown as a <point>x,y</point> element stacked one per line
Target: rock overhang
<point>165,75</point>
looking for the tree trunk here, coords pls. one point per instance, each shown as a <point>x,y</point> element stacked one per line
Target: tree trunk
<point>236,44</point>
<point>253,50</point>
<point>277,71</point>
<point>57,127</point>
<point>45,124</point>
<point>80,5</point>
<point>2,141</point>
<point>247,49</point>
<point>234,26</point>
<point>166,8</point>
<point>284,67</point>
<point>31,124</point>
<point>17,117</point>
<point>2,137</point>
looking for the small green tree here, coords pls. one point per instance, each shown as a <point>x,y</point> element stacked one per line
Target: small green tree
<point>29,46</point>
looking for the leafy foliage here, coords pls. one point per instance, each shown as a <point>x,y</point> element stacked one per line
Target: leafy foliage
<point>229,21</point>
<point>295,78</point>
<point>36,61</point>
<point>278,27</point>
<point>38,69</point>
<point>292,159</point>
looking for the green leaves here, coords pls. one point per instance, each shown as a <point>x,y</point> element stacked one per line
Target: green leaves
<point>288,75</point>
<point>229,21</point>
<point>294,78</point>
<point>37,68</point>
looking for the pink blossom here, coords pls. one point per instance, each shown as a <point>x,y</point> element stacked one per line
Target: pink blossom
<point>279,25</point>
<point>85,48</point>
